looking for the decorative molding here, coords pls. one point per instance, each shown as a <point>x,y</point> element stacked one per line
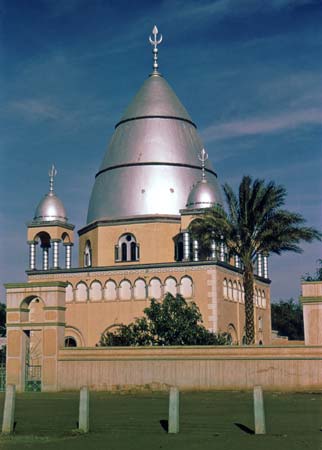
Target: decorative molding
<point>317,299</point>
<point>130,220</point>
<point>17,310</point>
<point>54,308</point>
<point>155,117</point>
<point>36,284</point>
<point>52,223</point>
<point>155,163</point>
<point>213,304</point>
<point>36,324</point>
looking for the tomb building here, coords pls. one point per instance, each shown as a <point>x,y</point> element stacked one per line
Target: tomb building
<point>155,178</point>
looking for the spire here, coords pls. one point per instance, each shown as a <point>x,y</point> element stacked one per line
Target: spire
<point>203,156</point>
<point>52,173</point>
<point>155,42</point>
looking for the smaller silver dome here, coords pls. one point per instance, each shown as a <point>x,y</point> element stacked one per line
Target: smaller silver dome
<point>203,195</point>
<point>49,209</point>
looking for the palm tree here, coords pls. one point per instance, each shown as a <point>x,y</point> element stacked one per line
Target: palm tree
<point>254,224</point>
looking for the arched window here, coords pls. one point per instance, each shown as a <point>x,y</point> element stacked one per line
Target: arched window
<point>125,290</point>
<point>256,297</point>
<point>170,286</point>
<point>260,324</point>
<point>88,255</point>
<point>70,342</point>
<point>185,287</point>
<point>155,289</point>
<point>235,291</point>
<point>231,329</point>
<point>263,299</point>
<point>69,293</point>
<point>95,292</point>
<point>110,290</point>
<point>230,290</point>
<point>225,288</point>
<point>178,247</point>
<point>124,251</point>
<point>240,293</point>
<point>81,292</point>
<point>139,289</point>
<point>127,248</point>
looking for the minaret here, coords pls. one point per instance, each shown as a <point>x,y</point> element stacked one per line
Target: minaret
<point>50,228</point>
<point>202,195</point>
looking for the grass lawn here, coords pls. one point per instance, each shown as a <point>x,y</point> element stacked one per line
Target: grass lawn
<point>208,420</point>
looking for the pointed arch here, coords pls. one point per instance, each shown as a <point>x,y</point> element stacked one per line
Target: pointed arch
<point>186,286</point>
<point>69,292</point>
<point>110,290</point>
<point>95,291</point>
<point>125,290</point>
<point>170,285</point>
<point>127,248</point>
<point>81,294</point>
<point>139,290</point>
<point>88,254</point>
<point>155,288</point>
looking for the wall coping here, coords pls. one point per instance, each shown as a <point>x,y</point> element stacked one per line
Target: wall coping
<point>271,352</point>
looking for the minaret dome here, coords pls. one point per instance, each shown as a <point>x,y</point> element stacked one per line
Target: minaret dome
<point>50,207</point>
<point>203,194</point>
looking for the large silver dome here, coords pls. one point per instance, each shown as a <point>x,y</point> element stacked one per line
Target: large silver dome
<point>49,209</point>
<point>151,164</point>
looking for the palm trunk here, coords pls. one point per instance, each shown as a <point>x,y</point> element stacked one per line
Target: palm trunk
<point>248,279</point>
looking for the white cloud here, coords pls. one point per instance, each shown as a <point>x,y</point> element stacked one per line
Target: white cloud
<point>222,8</point>
<point>57,8</point>
<point>35,109</point>
<point>263,125</point>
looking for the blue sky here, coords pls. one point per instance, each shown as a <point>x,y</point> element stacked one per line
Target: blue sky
<point>248,72</point>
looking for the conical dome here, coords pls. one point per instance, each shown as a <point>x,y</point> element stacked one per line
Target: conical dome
<point>151,163</point>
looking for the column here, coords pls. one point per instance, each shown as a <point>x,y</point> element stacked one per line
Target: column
<point>55,244</point>
<point>237,261</point>
<point>265,264</point>
<point>32,255</point>
<point>195,250</point>
<point>213,249</point>
<point>186,246</point>
<point>259,265</point>
<point>222,251</point>
<point>45,253</point>
<point>68,255</point>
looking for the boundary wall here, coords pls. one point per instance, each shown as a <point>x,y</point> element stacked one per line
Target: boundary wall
<point>280,368</point>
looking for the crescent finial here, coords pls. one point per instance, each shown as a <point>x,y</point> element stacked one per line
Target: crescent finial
<point>155,41</point>
<point>52,173</point>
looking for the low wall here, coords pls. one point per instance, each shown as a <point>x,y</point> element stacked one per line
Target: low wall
<point>191,368</point>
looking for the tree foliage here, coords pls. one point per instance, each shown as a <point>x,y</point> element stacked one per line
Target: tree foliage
<point>172,321</point>
<point>287,319</point>
<point>318,273</point>
<point>254,224</point>
<point>2,319</point>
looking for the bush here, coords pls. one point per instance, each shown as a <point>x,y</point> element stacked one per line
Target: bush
<point>170,322</point>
